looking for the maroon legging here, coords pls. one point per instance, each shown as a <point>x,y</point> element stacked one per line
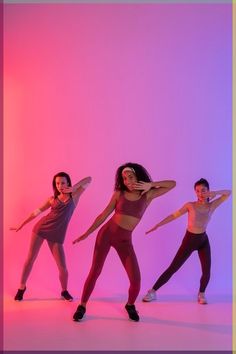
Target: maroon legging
<point>113,235</point>
<point>191,242</point>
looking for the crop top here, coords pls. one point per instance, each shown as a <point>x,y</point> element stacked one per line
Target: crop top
<point>134,208</point>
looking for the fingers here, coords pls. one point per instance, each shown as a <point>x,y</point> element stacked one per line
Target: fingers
<point>15,228</point>
<point>151,230</point>
<point>67,190</point>
<point>79,239</point>
<point>139,184</point>
<point>75,241</point>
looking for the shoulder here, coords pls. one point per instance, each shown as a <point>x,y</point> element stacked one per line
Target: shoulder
<point>117,194</point>
<point>188,206</point>
<point>51,199</point>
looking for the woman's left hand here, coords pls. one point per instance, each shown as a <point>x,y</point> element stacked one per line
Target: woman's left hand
<point>211,195</point>
<point>143,186</point>
<point>68,190</point>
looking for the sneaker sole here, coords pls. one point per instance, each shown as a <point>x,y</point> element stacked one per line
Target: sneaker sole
<point>148,300</point>
<point>79,319</point>
<point>130,319</point>
<point>70,300</point>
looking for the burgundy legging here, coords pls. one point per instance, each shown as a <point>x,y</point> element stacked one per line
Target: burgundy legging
<point>113,235</point>
<point>191,242</point>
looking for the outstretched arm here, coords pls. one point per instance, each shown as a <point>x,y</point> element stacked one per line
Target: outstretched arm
<point>100,218</point>
<point>170,218</point>
<point>155,189</point>
<point>224,194</point>
<point>33,215</point>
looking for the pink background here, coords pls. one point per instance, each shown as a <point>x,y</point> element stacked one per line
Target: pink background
<point>90,87</point>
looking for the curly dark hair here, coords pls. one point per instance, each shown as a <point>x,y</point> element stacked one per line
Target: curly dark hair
<point>202,181</point>
<point>60,174</point>
<point>140,172</point>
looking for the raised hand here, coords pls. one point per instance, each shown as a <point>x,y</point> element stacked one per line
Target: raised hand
<point>80,238</point>
<point>67,190</point>
<point>152,229</point>
<point>211,195</point>
<point>143,186</point>
<point>16,228</point>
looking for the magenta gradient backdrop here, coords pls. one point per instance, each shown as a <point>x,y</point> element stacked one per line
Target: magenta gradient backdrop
<point>89,87</point>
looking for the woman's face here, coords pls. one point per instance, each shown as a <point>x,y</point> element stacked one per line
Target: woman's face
<point>61,183</point>
<point>201,192</point>
<point>129,179</point>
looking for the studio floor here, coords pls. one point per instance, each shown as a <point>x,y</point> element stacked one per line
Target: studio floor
<point>173,322</point>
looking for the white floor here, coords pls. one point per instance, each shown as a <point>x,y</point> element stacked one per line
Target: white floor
<point>171,323</point>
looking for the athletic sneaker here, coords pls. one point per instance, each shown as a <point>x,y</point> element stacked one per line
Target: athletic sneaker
<point>19,294</point>
<point>79,314</point>
<point>150,296</point>
<point>133,314</point>
<point>66,296</point>
<point>201,299</point>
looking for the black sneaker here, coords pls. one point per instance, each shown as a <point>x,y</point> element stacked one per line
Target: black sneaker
<point>66,295</point>
<point>79,314</point>
<point>19,294</point>
<point>133,314</point>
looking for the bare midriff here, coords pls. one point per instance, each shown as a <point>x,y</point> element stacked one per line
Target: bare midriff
<point>125,221</point>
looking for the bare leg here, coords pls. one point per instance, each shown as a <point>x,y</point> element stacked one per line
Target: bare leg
<point>35,245</point>
<point>59,256</point>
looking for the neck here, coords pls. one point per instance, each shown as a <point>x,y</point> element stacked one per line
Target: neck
<point>133,192</point>
<point>202,202</point>
<point>63,195</point>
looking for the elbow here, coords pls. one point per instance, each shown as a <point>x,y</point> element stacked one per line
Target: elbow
<point>228,193</point>
<point>89,179</point>
<point>86,182</point>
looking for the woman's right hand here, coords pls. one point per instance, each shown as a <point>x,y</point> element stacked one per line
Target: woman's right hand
<point>80,238</point>
<point>152,229</point>
<point>16,228</point>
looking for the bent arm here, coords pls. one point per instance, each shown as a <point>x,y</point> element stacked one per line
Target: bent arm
<point>224,195</point>
<point>34,214</point>
<point>170,218</point>
<point>82,184</point>
<point>159,188</point>
<point>100,218</point>
<point>80,187</point>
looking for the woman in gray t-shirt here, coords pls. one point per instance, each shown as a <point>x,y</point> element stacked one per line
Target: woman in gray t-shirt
<point>52,228</point>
